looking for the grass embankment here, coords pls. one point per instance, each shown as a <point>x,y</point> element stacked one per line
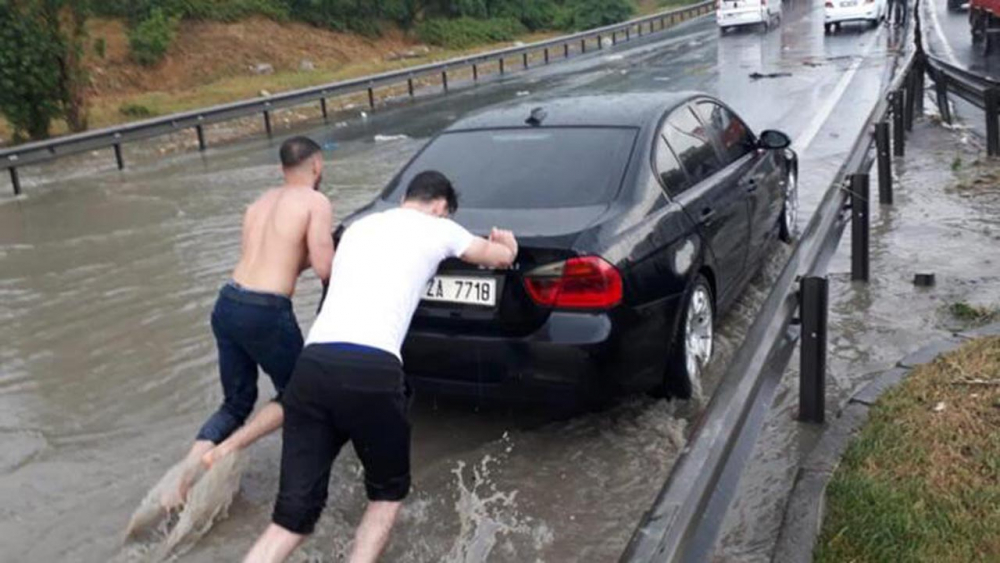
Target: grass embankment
<point>212,63</point>
<point>922,480</point>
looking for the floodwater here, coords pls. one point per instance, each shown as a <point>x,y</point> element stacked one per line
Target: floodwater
<point>107,364</point>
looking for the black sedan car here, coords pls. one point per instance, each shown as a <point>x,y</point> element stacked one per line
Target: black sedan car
<point>639,218</point>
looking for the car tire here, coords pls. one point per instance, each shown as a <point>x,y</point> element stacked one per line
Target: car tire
<point>788,227</point>
<point>690,353</point>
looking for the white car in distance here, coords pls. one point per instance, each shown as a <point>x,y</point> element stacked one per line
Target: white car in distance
<point>837,12</point>
<point>733,13</point>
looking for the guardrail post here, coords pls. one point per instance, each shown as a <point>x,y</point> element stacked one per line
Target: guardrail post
<point>322,107</point>
<point>628,34</point>
<point>565,50</point>
<point>371,97</point>
<point>15,181</point>
<point>884,163</point>
<point>475,73</point>
<point>600,42</point>
<point>813,302</point>
<point>583,45</point>
<point>118,156</point>
<point>501,65</point>
<point>918,84</point>
<point>444,80</point>
<point>546,55</point>
<point>524,60</point>
<point>992,127</point>
<point>860,261</point>
<point>898,134</point>
<point>941,88</point>
<point>267,122</point>
<point>409,84</point>
<point>200,130</point>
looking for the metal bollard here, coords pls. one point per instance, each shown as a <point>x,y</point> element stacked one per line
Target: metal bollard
<point>992,127</point>
<point>813,302</point>
<point>267,122</point>
<point>15,181</point>
<point>941,89</point>
<point>898,134</point>
<point>860,262</point>
<point>201,131</point>
<point>118,156</point>
<point>884,163</point>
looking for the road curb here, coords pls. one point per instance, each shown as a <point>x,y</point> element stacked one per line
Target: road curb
<point>804,510</point>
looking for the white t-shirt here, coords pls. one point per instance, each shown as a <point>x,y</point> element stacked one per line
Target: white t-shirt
<point>380,269</point>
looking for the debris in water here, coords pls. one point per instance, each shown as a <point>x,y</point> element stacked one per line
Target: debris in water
<point>522,93</point>
<point>939,407</point>
<point>923,280</point>
<point>758,76</point>
<point>389,138</point>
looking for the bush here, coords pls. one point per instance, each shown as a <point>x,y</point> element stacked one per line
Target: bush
<point>135,110</point>
<point>150,40</point>
<point>100,47</point>
<point>30,86</point>
<point>588,14</point>
<point>463,32</point>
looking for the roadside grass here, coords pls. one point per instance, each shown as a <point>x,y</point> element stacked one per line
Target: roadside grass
<point>921,482</point>
<point>973,314</point>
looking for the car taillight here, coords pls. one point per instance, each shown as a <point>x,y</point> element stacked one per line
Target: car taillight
<point>584,282</point>
<point>829,4</point>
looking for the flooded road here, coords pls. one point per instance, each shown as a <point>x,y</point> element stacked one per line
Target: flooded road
<point>107,364</point>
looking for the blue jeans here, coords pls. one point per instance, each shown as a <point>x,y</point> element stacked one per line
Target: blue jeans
<point>251,329</point>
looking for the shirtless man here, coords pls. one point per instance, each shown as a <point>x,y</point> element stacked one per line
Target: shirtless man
<point>349,384</point>
<point>285,231</point>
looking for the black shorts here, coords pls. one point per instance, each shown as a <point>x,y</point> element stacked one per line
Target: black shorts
<point>339,393</point>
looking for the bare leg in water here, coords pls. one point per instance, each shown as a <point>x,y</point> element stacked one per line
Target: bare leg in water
<point>263,423</point>
<point>277,543</point>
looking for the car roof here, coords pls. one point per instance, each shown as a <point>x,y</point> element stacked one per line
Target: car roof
<point>607,110</point>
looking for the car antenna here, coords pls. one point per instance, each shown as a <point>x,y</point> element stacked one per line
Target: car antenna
<point>537,116</point>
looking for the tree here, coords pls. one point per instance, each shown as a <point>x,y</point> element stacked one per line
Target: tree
<point>41,72</point>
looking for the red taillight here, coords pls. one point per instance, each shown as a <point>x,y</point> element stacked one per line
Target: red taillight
<point>585,282</point>
<point>829,4</point>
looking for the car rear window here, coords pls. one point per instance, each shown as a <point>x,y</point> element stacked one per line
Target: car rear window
<point>526,168</point>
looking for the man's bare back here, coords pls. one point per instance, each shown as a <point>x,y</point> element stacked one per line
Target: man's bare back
<point>285,231</point>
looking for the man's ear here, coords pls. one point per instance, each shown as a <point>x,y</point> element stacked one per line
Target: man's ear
<point>318,165</point>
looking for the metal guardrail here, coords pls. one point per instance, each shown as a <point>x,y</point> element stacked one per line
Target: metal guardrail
<point>688,513</point>
<point>980,91</point>
<point>114,137</point>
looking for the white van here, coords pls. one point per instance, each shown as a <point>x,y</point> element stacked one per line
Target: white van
<point>732,13</point>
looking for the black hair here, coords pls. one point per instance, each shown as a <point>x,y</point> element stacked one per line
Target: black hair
<point>432,185</point>
<point>297,150</point>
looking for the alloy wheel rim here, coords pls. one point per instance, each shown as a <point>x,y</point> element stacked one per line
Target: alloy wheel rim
<point>698,332</point>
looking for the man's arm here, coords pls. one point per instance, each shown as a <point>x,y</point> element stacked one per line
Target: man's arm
<point>319,239</point>
<point>497,252</point>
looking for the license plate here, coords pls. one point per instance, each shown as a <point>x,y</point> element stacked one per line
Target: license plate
<point>848,4</point>
<point>479,291</point>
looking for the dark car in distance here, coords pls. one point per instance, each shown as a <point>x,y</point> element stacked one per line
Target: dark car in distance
<point>639,218</point>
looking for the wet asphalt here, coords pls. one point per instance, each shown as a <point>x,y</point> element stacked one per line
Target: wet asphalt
<point>107,362</point>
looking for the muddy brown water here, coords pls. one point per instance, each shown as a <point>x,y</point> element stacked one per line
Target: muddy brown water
<point>107,364</point>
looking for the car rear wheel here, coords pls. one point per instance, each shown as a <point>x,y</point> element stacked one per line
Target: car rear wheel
<point>694,343</point>
<point>789,227</point>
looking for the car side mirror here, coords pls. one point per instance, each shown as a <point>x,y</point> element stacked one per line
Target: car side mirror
<point>773,140</point>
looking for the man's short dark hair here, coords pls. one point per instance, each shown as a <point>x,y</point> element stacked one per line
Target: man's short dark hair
<point>297,150</point>
<point>430,186</point>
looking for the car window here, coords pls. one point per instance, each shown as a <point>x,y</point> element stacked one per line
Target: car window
<point>668,168</point>
<point>538,167</point>
<point>691,143</point>
<point>733,134</point>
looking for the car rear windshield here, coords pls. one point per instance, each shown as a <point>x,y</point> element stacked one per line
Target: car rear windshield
<point>526,168</point>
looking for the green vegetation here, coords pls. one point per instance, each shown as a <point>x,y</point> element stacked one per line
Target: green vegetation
<point>150,40</point>
<point>975,314</point>
<point>921,483</point>
<point>41,73</point>
<point>135,110</point>
<point>100,47</point>
<point>461,33</point>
